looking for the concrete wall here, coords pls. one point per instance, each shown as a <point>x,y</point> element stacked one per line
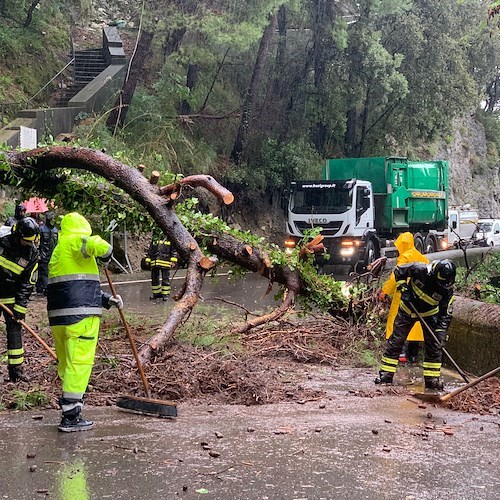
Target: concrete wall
<point>474,336</point>
<point>102,92</point>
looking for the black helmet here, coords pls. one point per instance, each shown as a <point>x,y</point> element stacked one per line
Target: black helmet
<point>445,272</point>
<point>27,230</point>
<point>20,210</point>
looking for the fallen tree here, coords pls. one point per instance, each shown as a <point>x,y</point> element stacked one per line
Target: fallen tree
<point>30,170</point>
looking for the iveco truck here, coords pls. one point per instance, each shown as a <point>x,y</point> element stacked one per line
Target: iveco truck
<point>363,204</point>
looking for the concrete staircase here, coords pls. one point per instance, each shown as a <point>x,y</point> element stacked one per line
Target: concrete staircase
<point>88,64</point>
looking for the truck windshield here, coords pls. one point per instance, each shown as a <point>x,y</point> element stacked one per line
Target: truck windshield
<point>485,226</point>
<point>334,199</point>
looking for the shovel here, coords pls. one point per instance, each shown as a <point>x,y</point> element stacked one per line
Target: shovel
<point>429,329</point>
<point>436,398</point>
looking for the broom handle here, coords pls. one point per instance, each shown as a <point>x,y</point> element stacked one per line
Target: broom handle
<point>130,338</point>
<point>470,384</point>
<point>26,327</point>
<point>429,329</point>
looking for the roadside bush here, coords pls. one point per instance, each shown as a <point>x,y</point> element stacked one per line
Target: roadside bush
<point>484,281</point>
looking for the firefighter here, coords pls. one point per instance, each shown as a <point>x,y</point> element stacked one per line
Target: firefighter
<point>18,275</point>
<point>48,241</point>
<point>19,213</point>
<point>429,289</point>
<point>161,257</point>
<point>74,304</point>
<point>407,253</point>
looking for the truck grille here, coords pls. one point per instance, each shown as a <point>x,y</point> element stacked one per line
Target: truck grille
<point>329,229</point>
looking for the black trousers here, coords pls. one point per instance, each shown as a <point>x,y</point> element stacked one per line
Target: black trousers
<point>15,350</point>
<point>43,277</point>
<point>160,288</point>
<point>402,326</point>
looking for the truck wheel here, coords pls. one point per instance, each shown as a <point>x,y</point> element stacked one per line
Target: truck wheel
<point>430,244</point>
<point>371,254</point>
<point>419,242</point>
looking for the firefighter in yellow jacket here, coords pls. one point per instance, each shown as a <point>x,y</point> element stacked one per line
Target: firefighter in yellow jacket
<point>74,304</point>
<point>407,254</point>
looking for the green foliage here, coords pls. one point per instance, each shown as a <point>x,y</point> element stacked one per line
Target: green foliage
<point>31,56</point>
<point>28,400</point>
<point>491,123</point>
<point>279,164</point>
<point>483,282</point>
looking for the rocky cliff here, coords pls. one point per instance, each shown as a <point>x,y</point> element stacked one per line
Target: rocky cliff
<point>474,177</point>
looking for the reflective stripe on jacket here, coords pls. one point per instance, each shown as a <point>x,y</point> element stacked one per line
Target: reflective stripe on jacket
<point>161,253</point>
<point>425,294</point>
<point>18,272</point>
<point>74,291</point>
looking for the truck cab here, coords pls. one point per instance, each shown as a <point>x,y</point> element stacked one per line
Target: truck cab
<point>343,209</point>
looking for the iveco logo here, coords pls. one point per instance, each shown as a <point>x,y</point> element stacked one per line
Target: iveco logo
<point>317,220</point>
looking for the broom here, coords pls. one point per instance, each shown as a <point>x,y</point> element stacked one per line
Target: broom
<point>147,405</point>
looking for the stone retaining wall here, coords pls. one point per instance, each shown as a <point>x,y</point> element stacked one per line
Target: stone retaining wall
<point>474,335</point>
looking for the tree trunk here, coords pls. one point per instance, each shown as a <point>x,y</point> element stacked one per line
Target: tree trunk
<point>29,15</point>
<point>173,42</point>
<point>191,81</point>
<point>323,21</point>
<point>246,114</point>
<point>158,202</point>
<point>116,118</point>
<point>279,64</point>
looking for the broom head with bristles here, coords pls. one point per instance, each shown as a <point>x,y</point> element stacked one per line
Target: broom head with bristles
<point>152,407</point>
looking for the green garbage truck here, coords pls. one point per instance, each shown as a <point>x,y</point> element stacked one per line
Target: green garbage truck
<point>363,204</point>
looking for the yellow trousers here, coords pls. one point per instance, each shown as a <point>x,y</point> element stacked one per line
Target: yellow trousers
<point>416,332</point>
<point>75,347</point>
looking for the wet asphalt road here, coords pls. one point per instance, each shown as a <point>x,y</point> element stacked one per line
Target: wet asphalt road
<point>342,446</point>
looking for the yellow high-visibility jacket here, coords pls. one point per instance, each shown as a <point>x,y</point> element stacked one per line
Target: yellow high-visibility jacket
<point>407,254</point>
<point>74,290</point>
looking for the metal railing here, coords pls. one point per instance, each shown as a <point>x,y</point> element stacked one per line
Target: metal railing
<point>63,78</point>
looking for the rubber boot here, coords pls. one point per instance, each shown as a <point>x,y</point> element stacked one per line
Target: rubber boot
<point>16,374</point>
<point>155,297</point>
<point>384,377</point>
<point>434,383</point>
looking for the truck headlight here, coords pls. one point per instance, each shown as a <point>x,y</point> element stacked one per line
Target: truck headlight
<point>289,246</point>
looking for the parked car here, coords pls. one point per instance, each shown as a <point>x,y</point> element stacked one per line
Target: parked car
<point>487,233</point>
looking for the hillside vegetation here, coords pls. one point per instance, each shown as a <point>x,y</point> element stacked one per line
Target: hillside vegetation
<point>258,93</point>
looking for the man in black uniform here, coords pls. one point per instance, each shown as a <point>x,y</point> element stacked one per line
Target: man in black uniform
<point>19,213</point>
<point>48,241</point>
<point>18,275</point>
<point>429,288</point>
<point>161,257</point>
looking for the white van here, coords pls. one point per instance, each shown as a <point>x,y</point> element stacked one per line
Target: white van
<point>487,233</point>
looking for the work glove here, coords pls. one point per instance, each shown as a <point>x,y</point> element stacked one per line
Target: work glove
<point>116,301</point>
<point>104,262</point>
<point>403,287</point>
